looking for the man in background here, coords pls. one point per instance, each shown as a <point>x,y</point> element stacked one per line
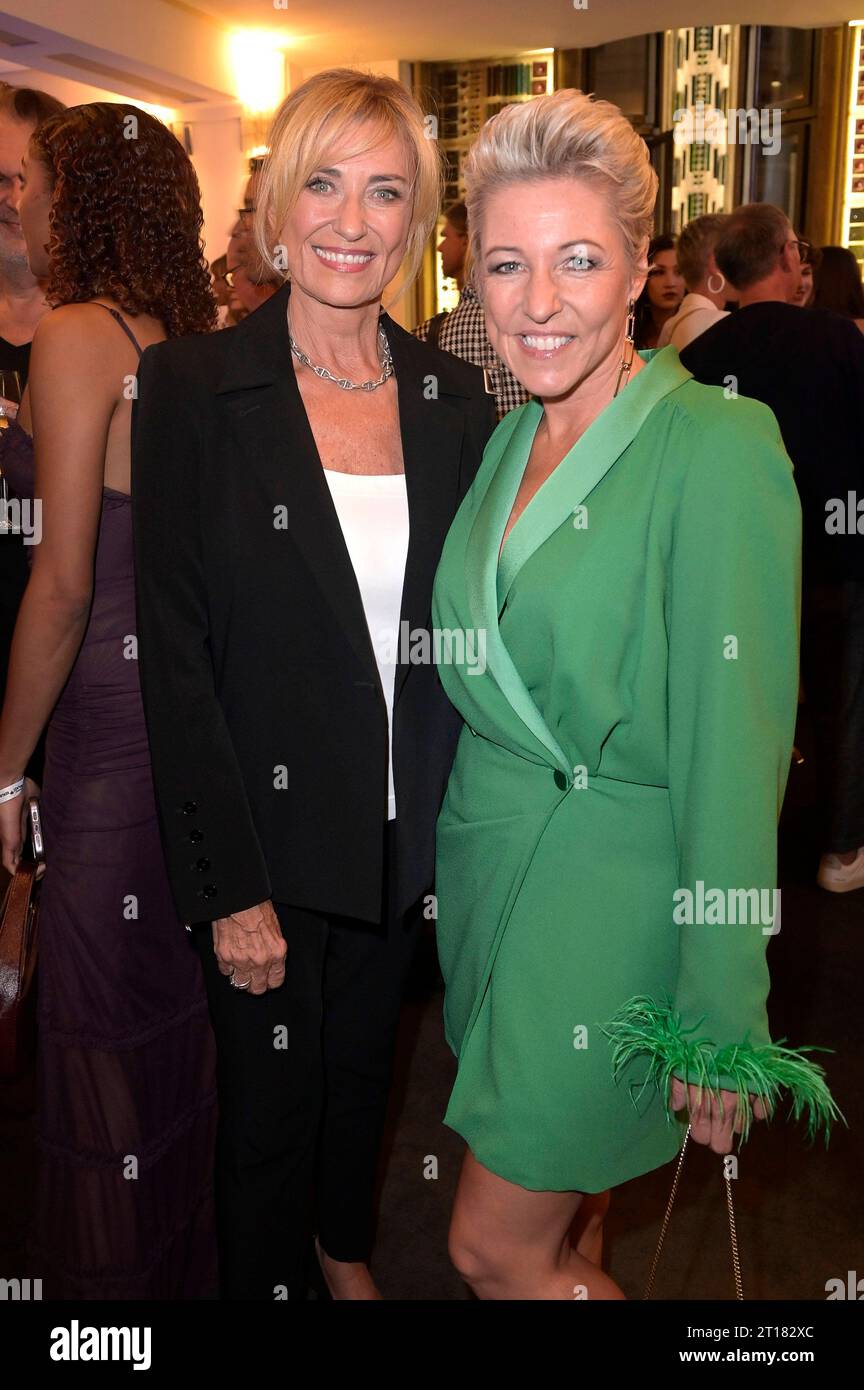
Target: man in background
<point>249,281</point>
<point>463,332</point>
<point>808,366</point>
<point>22,304</point>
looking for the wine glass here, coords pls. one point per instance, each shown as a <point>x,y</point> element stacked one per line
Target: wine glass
<point>10,390</point>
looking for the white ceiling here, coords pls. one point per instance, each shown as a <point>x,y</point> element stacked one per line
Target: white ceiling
<point>349,31</point>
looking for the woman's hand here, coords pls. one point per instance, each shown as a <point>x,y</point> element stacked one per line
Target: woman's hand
<point>250,948</point>
<point>708,1125</point>
<point>12,830</point>
<point>9,408</point>
<point>13,825</point>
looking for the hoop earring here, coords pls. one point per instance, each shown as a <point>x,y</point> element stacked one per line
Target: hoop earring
<point>629,346</point>
<point>720,288</point>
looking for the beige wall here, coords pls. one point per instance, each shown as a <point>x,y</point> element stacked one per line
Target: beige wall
<point>218,158</point>
<point>63,88</point>
<point>157,34</point>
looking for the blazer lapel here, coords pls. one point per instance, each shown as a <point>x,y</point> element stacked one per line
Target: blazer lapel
<point>488,582</point>
<point>274,437</point>
<point>481,565</point>
<point>588,461</point>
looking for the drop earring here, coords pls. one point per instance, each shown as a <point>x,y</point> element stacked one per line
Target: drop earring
<point>629,346</point>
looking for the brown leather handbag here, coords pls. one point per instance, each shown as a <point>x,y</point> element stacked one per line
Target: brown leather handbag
<point>18,938</point>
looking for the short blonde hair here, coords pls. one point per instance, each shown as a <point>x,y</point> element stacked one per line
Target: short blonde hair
<point>564,135</point>
<point>321,118</point>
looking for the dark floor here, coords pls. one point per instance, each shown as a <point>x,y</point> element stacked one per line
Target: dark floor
<point>799,1208</point>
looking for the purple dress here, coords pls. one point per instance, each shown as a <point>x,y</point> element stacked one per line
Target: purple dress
<point>126,1060</point>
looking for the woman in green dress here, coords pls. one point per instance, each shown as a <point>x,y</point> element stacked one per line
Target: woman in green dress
<point>627,564</point>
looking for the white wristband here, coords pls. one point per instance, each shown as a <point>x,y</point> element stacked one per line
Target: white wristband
<point>13,790</point>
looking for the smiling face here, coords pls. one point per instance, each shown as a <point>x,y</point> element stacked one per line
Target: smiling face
<point>34,211</point>
<point>666,287</point>
<point>346,236</point>
<point>556,279</point>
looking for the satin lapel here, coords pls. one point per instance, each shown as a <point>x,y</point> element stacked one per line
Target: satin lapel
<point>487,582</point>
<point>481,565</point>
<point>588,461</point>
<point>275,441</point>
<point>431,431</point>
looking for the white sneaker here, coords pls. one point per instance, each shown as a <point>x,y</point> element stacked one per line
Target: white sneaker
<point>841,878</point>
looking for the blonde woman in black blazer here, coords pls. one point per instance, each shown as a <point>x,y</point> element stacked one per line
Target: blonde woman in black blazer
<point>267,694</point>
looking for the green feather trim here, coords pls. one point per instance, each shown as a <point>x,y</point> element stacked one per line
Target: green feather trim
<point>642,1026</point>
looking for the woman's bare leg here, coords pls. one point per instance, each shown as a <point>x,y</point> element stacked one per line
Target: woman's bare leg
<point>509,1243</point>
<point>586,1231</point>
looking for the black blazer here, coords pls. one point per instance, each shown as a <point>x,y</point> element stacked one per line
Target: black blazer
<point>266,717</point>
<point>808,366</point>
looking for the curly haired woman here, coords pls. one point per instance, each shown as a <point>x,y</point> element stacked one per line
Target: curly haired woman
<point>111,216</point>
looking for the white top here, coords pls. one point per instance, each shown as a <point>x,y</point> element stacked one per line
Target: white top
<point>373,514</point>
<point>695,314</point>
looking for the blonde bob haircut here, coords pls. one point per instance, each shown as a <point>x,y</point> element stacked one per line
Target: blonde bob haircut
<point>567,134</point>
<point>341,113</point>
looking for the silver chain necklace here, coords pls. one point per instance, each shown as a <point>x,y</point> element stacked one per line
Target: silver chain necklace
<point>346,385</point>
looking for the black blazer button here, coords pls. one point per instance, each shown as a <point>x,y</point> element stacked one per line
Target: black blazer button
<point>209,890</point>
<point>196,836</point>
<point>189,808</point>
<point>202,864</point>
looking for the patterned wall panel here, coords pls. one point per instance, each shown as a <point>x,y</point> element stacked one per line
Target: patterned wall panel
<point>702,59</point>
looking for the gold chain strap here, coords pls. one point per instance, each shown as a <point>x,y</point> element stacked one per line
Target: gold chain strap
<point>733,1235</point>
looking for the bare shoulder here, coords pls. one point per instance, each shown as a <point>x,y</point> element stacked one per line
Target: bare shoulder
<point>75,322</point>
<point>84,344</point>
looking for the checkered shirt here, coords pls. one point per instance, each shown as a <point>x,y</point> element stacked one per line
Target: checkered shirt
<point>463,332</point>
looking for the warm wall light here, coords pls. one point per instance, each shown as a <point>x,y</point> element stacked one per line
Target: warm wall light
<point>258,63</point>
<point>166,114</point>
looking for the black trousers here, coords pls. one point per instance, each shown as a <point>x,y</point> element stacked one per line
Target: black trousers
<point>304,1073</point>
<point>832,667</point>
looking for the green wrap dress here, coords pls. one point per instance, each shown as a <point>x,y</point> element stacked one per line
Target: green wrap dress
<point>628,678</point>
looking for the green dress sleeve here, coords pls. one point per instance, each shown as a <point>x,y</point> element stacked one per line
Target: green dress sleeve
<point>732,618</point>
